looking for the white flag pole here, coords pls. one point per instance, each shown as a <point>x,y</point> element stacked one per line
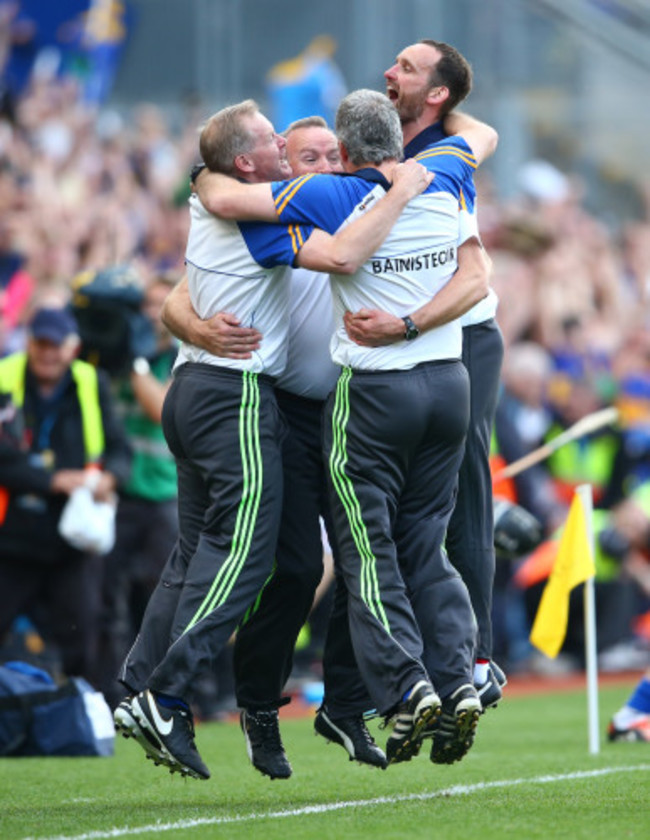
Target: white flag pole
<point>585,493</point>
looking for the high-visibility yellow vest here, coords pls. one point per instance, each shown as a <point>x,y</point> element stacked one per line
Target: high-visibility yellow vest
<point>585,461</point>
<point>12,381</point>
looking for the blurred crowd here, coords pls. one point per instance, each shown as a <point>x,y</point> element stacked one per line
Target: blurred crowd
<point>575,311</point>
<point>82,190</point>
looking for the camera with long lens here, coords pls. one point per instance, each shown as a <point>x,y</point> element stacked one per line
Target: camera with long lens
<point>113,329</point>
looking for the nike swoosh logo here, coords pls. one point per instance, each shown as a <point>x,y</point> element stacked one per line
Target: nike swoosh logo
<point>163,726</point>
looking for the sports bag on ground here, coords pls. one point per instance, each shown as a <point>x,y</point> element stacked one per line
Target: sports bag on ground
<point>39,717</point>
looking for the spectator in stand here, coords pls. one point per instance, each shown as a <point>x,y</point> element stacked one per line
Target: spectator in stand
<point>522,421</point>
<point>97,193</point>
<point>307,85</point>
<point>16,287</point>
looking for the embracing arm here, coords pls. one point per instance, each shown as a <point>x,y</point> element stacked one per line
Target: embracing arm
<point>229,198</point>
<point>342,253</point>
<point>220,335</point>
<point>480,137</point>
<point>347,250</point>
<point>469,285</point>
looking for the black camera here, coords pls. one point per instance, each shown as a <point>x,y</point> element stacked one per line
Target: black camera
<point>516,531</point>
<point>113,329</point>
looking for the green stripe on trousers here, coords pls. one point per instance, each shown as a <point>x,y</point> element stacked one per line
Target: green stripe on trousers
<point>369,582</point>
<point>249,446</point>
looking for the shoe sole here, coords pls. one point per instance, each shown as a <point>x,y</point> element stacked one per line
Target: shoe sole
<point>168,759</point>
<point>334,735</point>
<point>409,746</point>
<point>459,743</point>
<point>628,736</point>
<point>128,727</point>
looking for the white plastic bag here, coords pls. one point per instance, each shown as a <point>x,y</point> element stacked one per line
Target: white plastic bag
<point>86,524</point>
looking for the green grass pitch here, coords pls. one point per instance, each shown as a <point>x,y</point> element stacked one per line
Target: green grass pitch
<point>529,775</point>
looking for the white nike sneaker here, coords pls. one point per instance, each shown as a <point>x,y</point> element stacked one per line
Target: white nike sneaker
<point>173,732</point>
<point>129,727</point>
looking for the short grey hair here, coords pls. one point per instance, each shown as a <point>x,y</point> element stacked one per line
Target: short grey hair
<point>225,136</point>
<point>315,121</point>
<point>368,125</point>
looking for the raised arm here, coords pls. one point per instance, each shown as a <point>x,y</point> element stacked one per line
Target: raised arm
<point>220,335</point>
<point>469,285</point>
<point>480,137</point>
<point>347,250</point>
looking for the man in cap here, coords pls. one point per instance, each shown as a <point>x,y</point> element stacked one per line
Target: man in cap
<point>55,422</point>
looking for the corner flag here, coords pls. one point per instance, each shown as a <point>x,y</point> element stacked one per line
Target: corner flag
<point>574,564</point>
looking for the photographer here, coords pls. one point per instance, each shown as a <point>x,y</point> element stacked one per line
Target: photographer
<point>57,420</point>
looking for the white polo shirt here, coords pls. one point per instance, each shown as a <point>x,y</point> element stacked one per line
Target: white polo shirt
<point>242,268</point>
<point>415,261</point>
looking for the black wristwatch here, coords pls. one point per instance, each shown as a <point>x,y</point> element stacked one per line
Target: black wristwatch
<point>196,171</point>
<point>411,330</point>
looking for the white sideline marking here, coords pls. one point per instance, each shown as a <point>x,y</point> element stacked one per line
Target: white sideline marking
<point>456,790</point>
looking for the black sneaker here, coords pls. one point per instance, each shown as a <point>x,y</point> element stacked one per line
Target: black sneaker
<point>128,726</point>
<point>351,733</point>
<point>637,729</point>
<point>264,744</point>
<point>412,718</point>
<point>454,733</point>
<point>490,692</point>
<point>173,733</point>
<point>498,673</point>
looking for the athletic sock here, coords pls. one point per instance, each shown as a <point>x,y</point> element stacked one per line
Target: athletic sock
<point>167,701</point>
<point>481,671</point>
<point>408,693</point>
<point>627,717</point>
<point>640,699</point>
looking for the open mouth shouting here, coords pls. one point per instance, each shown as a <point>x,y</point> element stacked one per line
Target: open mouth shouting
<point>392,93</point>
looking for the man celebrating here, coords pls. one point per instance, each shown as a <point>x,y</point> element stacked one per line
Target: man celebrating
<point>264,644</point>
<point>265,641</point>
<point>221,422</point>
<point>394,461</point>
<point>428,80</point>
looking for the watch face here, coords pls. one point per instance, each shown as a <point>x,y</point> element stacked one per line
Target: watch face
<point>411,330</point>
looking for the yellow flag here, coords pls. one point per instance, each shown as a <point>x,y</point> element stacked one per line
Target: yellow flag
<point>574,564</point>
